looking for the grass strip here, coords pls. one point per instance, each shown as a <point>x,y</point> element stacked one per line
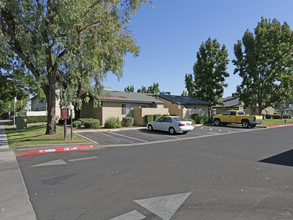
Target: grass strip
<point>34,134</point>
<point>271,122</point>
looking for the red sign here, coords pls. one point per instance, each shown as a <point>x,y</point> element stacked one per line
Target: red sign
<point>64,113</point>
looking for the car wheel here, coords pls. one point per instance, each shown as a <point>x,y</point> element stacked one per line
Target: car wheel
<point>245,124</point>
<point>150,128</point>
<point>217,122</point>
<point>172,130</point>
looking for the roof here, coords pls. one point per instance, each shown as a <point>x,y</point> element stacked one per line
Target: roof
<point>184,100</point>
<point>129,97</point>
<point>230,101</point>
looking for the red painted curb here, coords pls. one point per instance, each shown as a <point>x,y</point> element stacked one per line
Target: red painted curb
<point>57,150</point>
<point>277,126</point>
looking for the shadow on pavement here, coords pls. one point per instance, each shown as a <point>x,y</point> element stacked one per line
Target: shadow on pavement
<point>285,159</point>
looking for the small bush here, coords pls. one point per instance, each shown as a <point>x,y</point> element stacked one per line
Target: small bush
<point>267,116</point>
<point>287,116</point>
<point>127,121</point>
<point>92,123</point>
<point>276,116</point>
<point>149,118</point>
<point>113,123</point>
<point>157,116</point>
<point>190,119</point>
<point>35,119</point>
<point>77,123</point>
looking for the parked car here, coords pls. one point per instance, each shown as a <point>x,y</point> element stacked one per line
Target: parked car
<point>172,124</point>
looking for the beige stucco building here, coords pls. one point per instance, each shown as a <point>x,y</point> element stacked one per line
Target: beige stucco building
<point>233,103</point>
<point>121,104</point>
<point>185,106</point>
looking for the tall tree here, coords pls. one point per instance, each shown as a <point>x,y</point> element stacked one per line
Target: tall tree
<point>264,62</point>
<point>154,89</point>
<point>142,90</point>
<point>209,72</point>
<point>79,40</point>
<point>129,89</point>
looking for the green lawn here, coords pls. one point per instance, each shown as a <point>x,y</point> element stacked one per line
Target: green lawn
<point>35,135</point>
<point>271,122</point>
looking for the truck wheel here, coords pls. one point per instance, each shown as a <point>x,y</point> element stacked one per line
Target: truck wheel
<point>217,122</point>
<point>245,124</point>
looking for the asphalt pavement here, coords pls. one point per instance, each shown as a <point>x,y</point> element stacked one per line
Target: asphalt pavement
<point>240,175</point>
<point>14,200</point>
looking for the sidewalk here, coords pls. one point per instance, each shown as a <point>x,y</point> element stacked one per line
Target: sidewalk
<point>14,200</point>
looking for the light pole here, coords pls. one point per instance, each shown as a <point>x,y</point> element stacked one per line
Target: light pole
<point>71,107</point>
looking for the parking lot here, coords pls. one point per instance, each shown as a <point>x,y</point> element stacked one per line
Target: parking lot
<point>143,136</point>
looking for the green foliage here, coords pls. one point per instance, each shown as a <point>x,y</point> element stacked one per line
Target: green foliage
<point>149,118</point>
<point>77,124</point>
<point>68,44</point>
<point>190,119</point>
<point>267,116</point>
<point>184,93</point>
<point>264,62</point>
<point>201,119</point>
<point>154,89</point>
<point>209,73</point>
<point>127,121</point>
<point>92,123</point>
<point>287,116</point>
<point>129,89</point>
<point>36,119</point>
<point>157,116</point>
<point>276,116</point>
<point>113,123</point>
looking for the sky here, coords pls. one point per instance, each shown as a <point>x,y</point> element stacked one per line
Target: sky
<point>170,34</point>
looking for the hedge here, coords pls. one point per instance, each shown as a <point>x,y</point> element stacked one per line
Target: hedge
<point>149,118</point>
<point>93,123</point>
<point>277,116</point>
<point>157,116</point>
<point>127,121</point>
<point>113,123</point>
<point>35,119</point>
<point>77,124</point>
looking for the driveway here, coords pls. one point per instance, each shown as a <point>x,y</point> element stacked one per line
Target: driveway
<point>143,136</point>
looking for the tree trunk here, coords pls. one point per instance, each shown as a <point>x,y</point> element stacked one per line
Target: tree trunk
<point>51,106</point>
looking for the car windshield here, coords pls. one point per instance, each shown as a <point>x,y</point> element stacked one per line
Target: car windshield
<point>178,119</point>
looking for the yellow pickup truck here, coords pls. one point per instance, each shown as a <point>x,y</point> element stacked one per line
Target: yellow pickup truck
<point>237,117</point>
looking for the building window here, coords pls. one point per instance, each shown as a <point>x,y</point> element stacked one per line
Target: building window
<point>126,108</point>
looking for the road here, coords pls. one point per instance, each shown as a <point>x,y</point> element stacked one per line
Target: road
<point>245,175</point>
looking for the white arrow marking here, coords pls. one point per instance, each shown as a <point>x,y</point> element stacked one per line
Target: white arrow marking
<point>51,163</point>
<point>84,158</point>
<point>133,215</point>
<point>164,206</point>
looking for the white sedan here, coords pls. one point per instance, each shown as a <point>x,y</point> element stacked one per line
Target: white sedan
<point>172,124</point>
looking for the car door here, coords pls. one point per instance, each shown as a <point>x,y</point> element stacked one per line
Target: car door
<point>167,124</point>
<point>158,124</point>
<point>232,117</point>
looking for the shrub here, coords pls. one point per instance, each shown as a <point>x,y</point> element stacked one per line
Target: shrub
<point>92,123</point>
<point>190,119</point>
<point>149,118</point>
<point>77,123</point>
<point>127,121</point>
<point>157,116</point>
<point>35,119</point>
<point>113,123</point>
<point>276,116</point>
<point>268,116</point>
<point>288,116</point>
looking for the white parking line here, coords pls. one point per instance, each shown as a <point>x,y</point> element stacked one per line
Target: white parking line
<point>129,137</point>
<point>88,138</point>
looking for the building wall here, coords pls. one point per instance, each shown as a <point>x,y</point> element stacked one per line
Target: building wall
<point>254,110</point>
<point>173,107</point>
<point>221,110</point>
<point>89,111</point>
<point>38,104</point>
<point>201,110</point>
<point>140,113</point>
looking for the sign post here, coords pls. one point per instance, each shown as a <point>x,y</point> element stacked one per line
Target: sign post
<point>64,115</point>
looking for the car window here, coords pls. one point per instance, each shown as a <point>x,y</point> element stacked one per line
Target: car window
<point>178,119</point>
<point>161,119</point>
<point>233,113</point>
<point>240,113</point>
<point>227,113</point>
<point>168,119</point>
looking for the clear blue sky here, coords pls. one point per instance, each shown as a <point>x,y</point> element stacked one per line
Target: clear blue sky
<point>169,36</point>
